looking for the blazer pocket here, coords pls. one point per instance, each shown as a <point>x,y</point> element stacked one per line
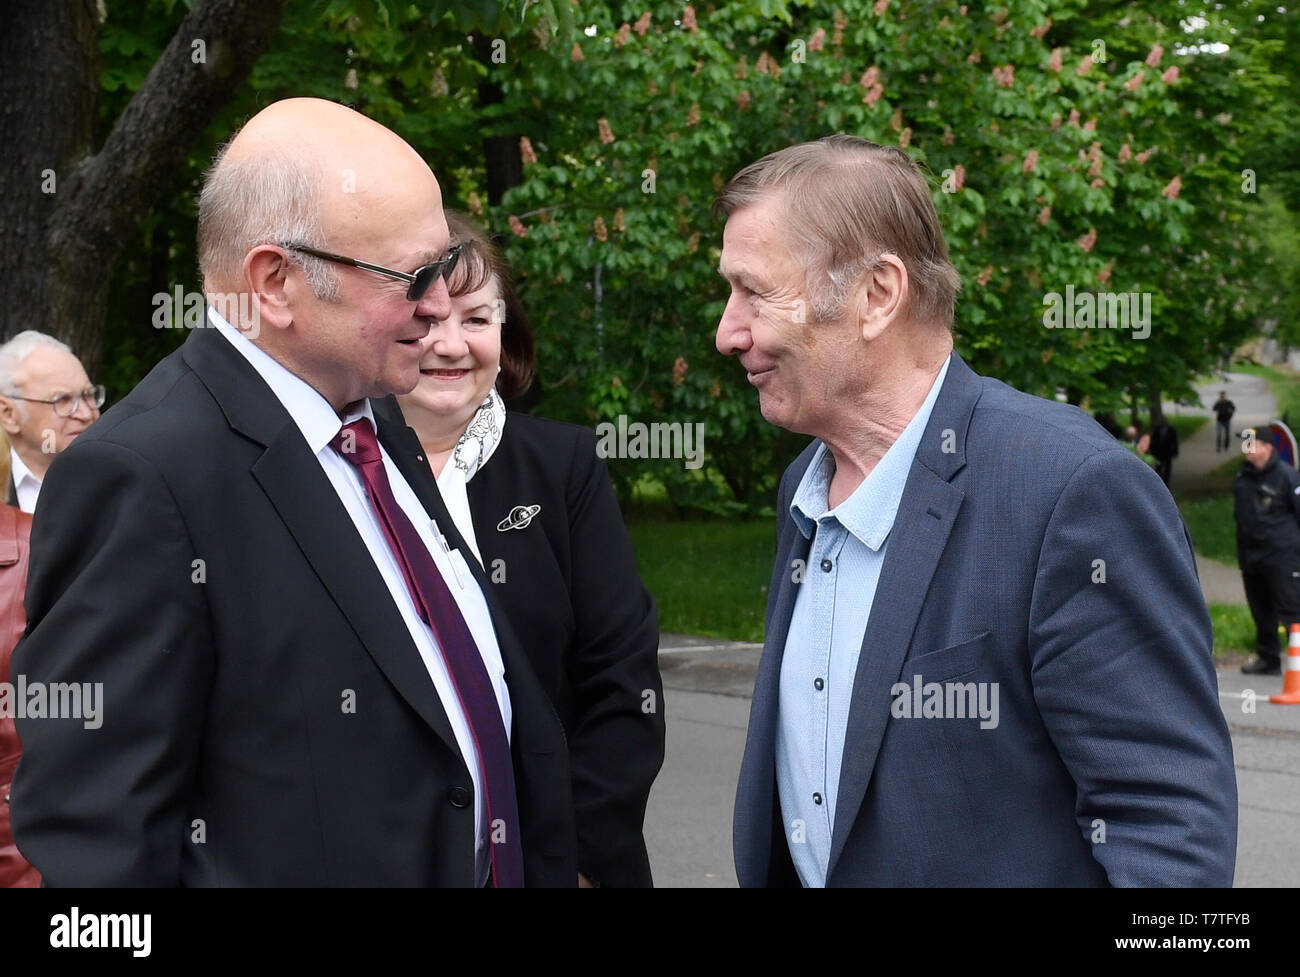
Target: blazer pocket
<point>946,663</point>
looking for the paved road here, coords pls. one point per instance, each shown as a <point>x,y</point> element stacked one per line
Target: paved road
<point>707,687</point>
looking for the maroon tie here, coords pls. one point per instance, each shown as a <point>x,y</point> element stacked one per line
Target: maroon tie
<point>437,608</point>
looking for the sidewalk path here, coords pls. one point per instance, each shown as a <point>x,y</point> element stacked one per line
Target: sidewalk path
<point>1197,458</point>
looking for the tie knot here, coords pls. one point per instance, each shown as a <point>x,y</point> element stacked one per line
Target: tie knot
<point>356,442</point>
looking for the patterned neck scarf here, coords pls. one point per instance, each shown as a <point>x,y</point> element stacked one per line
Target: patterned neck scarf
<point>475,447</point>
<point>481,435</point>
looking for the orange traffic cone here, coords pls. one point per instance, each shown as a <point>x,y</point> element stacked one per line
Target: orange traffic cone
<point>1290,695</point>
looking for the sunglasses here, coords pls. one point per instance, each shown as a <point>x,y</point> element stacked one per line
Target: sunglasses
<point>420,279</point>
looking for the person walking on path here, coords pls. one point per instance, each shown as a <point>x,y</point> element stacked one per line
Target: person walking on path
<point>1223,411</point>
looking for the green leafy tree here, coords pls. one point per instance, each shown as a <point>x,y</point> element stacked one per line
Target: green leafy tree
<point>1098,147</point>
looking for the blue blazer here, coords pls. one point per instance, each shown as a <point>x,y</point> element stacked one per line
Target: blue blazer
<point>1033,550</point>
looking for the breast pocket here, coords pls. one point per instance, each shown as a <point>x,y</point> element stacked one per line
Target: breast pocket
<point>1267,499</point>
<point>946,663</point>
<point>460,567</point>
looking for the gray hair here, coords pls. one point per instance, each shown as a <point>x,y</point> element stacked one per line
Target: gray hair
<point>846,203</point>
<point>14,352</point>
<point>266,199</point>
<point>18,349</point>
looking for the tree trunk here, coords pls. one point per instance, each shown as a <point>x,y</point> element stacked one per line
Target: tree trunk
<point>505,167</point>
<point>49,90</point>
<point>1155,411</point>
<point>58,249</point>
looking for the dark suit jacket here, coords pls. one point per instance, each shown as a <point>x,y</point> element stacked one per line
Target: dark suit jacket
<point>192,556</point>
<point>569,583</point>
<point>1109,720</point>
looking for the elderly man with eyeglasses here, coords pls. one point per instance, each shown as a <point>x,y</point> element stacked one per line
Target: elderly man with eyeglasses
<point>46,400</point>
<point>304,682</point>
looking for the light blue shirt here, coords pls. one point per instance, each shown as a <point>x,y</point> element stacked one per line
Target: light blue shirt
<point>830,616</point>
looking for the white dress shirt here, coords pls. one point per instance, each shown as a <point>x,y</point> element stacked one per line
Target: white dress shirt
<point>455,496</point>
<point>319,425</point>
<point>26,485</point>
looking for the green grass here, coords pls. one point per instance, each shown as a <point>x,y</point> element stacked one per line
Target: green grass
<point>1229,467</point>
<point>1186,424</point>
<point>1234,630</point>
<point>708,576</point>
<point>1210,521</point>
<point>1284,384</point>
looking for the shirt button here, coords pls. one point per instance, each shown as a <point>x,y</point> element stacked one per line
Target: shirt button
<point>818,684</point>
<point>817,798</point>
<point>827,565</point>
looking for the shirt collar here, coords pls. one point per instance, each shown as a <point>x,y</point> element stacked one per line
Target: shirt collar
<point>315,418</point>
<point>869,512</point>
<point>18,469</point>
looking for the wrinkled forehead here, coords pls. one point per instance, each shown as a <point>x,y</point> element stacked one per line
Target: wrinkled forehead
<point>53,368</point>
<point>755,240</point>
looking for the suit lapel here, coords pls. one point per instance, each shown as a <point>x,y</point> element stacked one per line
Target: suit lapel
<point>407,453</point>
<point>768,680</point>
<point>305,500</point>
<point>404,447</point>
<point>925,518</point>
<point>756,808</point>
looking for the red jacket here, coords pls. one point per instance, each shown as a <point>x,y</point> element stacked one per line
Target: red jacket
<point>15,528</point>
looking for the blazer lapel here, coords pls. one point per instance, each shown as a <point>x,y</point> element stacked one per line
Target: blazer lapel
<point>302,494</point>
<point>407,453</point>
<point>921,528</point>
<point>768,680</point>
<point>404,447</point>
<point>753,836</point>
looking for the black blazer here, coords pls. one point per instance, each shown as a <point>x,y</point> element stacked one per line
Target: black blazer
<point>266,717</point>
<point>569,583</point>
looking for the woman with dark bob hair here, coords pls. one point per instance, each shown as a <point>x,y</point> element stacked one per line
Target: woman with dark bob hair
<point>536,506</point>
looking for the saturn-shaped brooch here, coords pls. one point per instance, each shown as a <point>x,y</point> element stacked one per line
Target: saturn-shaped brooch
<point>519,518</point>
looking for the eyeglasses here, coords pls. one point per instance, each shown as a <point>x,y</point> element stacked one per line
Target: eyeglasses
<point>65,405</point>
<point>420,279</point>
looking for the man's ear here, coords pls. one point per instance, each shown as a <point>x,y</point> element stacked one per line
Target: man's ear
<point>266,275</point>
<point>9,417</point>
<point>883,291</point>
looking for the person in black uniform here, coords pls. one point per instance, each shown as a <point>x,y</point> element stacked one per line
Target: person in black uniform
<point>1266,500</point>
<point>536,506</point>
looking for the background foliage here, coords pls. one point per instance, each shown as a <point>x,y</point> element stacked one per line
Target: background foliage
<point>1125,147</point>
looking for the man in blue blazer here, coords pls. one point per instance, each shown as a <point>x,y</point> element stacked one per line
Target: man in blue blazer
<point>988,660</point>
